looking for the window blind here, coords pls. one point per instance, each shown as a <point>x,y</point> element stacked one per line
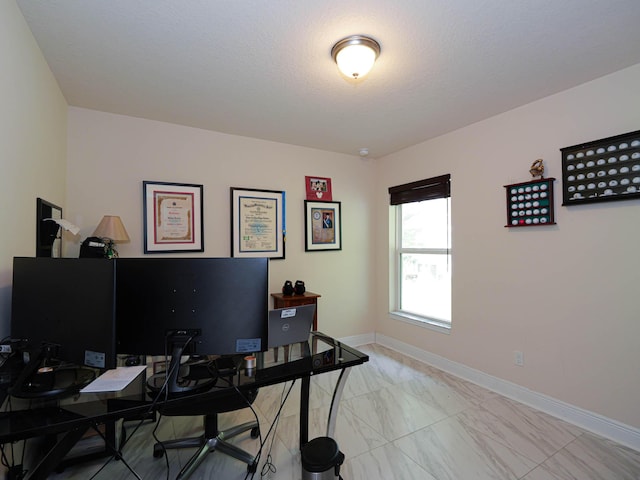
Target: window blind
<point>427,189</point>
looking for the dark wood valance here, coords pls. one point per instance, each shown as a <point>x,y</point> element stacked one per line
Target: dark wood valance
<point>427,189</point>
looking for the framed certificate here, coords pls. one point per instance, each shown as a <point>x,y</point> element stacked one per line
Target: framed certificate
<point>257,223</point>
<point>323,226</point>
<point>172,217</point>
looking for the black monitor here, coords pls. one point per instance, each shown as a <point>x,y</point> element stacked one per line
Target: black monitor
<point>175,306</point>
<point>67,306</point>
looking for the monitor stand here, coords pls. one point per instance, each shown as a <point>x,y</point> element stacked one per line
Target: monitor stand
<point>183,379</point>
<point>46,377</point>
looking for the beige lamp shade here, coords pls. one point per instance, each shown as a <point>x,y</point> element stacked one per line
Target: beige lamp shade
<point>111,227</point>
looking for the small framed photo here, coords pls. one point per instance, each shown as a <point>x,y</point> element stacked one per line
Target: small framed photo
<point>318,188</point>
<point>323,226</point>
<point>172,217</point>
<point>258,227</point>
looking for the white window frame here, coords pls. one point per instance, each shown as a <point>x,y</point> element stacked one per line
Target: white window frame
<point>396,251</point>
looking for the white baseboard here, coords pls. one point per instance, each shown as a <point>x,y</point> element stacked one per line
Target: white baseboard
<point>358,340</point>
<point>593,422</point>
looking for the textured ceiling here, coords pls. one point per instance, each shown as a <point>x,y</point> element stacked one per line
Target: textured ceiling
<point>263,69</point>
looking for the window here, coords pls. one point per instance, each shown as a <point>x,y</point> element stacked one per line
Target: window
<point>423,250</point>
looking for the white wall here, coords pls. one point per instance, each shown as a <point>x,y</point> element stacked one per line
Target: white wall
<point>110,155</point>
<point>565,295</point>
<point>33,121</point>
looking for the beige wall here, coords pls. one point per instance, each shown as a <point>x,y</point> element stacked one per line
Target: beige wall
<point>32,144</point>
<point>565,295</point>
<point>110,156</point>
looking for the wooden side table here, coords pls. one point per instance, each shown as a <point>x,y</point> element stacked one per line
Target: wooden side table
<point>281,300</point>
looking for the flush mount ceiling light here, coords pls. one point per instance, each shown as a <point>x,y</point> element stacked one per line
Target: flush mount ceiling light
<point>355,55</point>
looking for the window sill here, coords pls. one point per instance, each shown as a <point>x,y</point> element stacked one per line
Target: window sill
<point>424,322</point>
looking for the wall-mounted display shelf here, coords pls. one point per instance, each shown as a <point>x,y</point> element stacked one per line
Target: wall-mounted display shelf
<point>530,204</point>
<point>602,171</point>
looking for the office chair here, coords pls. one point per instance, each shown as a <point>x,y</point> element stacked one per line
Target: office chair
<point>212,438</point>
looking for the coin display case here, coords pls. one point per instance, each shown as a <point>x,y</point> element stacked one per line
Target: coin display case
<point>602,171</point>
<point>530,204</point>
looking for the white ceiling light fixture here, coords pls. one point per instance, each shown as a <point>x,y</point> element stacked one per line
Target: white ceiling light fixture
<point>355,55</point>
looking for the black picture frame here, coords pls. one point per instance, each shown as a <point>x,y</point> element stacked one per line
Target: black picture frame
<point>323,226</point>
<point>258,223</point>
<point>176,231</point>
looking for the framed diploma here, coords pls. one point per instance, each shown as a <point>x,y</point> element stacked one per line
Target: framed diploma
<point>257,223</point>
<point>323,226</point>
<point>172,217</point>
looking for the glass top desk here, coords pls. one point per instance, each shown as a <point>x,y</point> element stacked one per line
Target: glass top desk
<point>74,416</point>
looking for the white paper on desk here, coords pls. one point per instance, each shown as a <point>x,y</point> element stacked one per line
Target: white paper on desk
<point>114,380</point>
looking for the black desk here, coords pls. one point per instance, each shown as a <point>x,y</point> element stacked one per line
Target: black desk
<point>75,416</point>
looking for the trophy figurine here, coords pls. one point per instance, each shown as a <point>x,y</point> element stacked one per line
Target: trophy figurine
<point>537,169</point>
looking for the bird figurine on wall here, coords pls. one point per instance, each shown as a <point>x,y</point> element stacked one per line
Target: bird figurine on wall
<point>537,169</point>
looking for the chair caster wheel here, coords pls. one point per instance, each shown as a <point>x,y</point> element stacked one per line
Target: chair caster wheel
<point>252,468</point>
<point>255,432</point>
<point>158,451</point>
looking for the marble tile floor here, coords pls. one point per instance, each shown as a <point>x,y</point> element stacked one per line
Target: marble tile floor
<point>399,419</point>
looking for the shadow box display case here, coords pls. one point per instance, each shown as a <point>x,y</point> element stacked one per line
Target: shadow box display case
<point>530,204</point>
<point>602,171</point>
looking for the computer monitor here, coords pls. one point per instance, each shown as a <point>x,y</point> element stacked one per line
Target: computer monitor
<point>177,306</point>
<point>66,306</point>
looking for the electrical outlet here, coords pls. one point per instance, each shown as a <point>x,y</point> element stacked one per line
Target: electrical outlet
<point>518,358</point>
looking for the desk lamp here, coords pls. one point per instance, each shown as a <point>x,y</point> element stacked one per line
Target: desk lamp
<point>111,230</point>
